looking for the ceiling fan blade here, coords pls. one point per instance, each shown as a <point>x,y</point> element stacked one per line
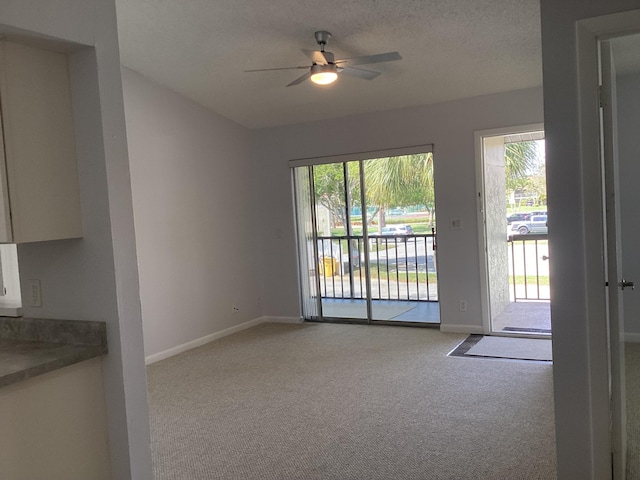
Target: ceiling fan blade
<point>359,72</point>
<point>300,79</point>
<point>369,59</point>
<point>318,57</point>
<point>272,69</point>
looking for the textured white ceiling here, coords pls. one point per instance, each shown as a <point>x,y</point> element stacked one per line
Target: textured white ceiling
<point>451,49</point>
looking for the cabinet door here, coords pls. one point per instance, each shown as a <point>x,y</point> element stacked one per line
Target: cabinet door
<point>40,157</point>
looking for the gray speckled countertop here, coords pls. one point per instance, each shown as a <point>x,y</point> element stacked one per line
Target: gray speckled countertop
<point>33,346</point>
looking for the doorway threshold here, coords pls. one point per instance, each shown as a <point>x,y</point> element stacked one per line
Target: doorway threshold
<point>388,312</point>
<point>524,317</point>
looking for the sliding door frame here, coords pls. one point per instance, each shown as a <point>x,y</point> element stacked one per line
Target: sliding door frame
<point>360,157</point>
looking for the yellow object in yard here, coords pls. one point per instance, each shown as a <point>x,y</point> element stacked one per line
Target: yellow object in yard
<point>329,266</point>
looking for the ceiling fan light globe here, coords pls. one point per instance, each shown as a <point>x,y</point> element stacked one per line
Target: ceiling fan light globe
<point>324,74</point>
<point>324,78</point>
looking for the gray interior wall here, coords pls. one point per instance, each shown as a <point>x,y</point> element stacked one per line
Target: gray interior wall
<point>450,127</point>
<point>193,202</point>
<point>629,164</point>
<point>577,308</point>
<point>95,278</point>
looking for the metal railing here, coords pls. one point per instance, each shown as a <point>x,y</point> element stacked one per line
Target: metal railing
<point>401,267</point>
<point>529,266</point>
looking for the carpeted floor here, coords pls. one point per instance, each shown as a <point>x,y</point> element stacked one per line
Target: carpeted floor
<point>328,401</point>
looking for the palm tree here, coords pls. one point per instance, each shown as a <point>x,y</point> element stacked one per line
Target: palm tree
<point>389,182</point>
<point>399,181</point>
<point>520,162</point>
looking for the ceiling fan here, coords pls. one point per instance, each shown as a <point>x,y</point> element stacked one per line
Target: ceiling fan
<point>325,69</point>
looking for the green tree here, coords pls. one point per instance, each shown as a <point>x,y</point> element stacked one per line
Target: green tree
<point>399,182</point>
<point>389,182</point>
<point>329,186</point>
<point>523,171</point>
<point>520,160</point>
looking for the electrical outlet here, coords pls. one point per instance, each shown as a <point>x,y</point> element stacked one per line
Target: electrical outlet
<point>235,309</point>
<point>463,305</point>
<point>455,224</point>
<point>35,293</point>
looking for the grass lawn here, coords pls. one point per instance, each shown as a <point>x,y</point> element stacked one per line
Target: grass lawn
<point>421,277</point>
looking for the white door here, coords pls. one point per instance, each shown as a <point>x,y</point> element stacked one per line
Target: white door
<point>615,275</point>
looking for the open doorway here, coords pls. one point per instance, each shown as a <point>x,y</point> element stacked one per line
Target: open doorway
<point>513,222</point>
<point>366,239</point>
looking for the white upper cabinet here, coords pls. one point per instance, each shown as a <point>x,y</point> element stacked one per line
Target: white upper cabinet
<point>39,190</point>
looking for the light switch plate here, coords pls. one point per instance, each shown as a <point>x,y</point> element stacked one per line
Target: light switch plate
<point>455,224</point>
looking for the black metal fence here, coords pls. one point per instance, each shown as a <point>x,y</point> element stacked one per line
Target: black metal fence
<point>529,266</point>
<point>404,267</point>
<point>401,267</point>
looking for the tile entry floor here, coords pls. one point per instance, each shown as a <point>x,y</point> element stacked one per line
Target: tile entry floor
<point>533,317</point>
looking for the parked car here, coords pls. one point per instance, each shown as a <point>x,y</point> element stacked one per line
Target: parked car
<point>392,230</point>
<point>535,224</point>
<point>517,217</point>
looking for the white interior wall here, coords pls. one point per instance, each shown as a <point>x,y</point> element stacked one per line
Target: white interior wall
<point>450,127</point>
<point>95,278</point>
<point>628,148</point>
<point>194,210</point>
<point>573,187</point>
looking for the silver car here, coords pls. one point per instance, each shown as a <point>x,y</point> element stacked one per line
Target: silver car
<point>535,224</point>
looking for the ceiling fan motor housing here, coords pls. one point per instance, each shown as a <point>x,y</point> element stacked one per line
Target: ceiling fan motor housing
<point>322,37</point>
<point>330,68</point>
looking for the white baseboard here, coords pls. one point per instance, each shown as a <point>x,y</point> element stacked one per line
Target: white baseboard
<point>469,329</point>
<point>156,357</point>
<point>632,337</point>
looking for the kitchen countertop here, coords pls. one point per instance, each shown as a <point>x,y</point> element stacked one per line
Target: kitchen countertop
<point>32,346</point>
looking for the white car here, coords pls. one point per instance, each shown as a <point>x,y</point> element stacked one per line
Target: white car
<point>391,230</point>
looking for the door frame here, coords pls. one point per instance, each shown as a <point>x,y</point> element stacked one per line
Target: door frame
<point>610,160</point>
<point>588,33</point>
<point>479,135</point>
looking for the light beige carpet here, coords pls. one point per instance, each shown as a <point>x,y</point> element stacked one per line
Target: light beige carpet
<point>509,347</point>
<point>348,402</point>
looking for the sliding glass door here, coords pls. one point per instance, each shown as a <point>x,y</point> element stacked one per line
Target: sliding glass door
<point>366,229</point>
<point>339,238</point>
